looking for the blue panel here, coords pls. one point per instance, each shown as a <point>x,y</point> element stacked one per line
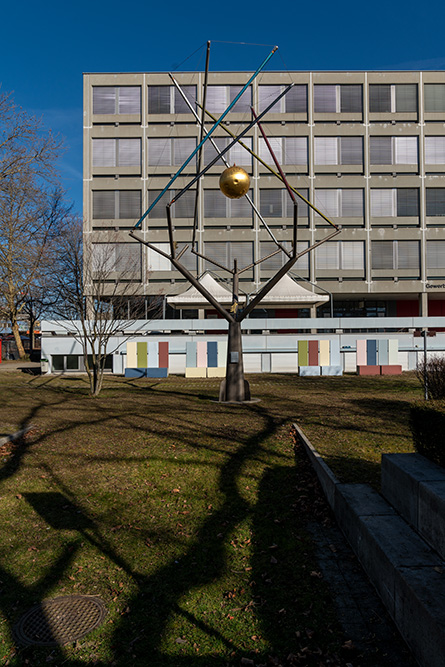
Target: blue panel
<point>135,372</point>
<point>383,352</point>
<point>191,351</point>
<point>153,355</point>
<point>212,354</point>
<point>335,353</point>
<point>371,353</point>
<point>157,372</point>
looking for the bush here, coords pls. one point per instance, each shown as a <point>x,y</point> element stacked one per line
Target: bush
<point>433,373</point>
<point>427,422</point>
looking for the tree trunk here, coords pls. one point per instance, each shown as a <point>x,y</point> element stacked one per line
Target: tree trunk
<point>18,340</point>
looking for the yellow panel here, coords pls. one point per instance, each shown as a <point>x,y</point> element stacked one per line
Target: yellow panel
<point>132,355</point>
<point>216,372</point>
<point>324,353</point>
<point>195,372</point>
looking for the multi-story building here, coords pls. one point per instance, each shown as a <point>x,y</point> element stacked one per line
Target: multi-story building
<point>367,148</point>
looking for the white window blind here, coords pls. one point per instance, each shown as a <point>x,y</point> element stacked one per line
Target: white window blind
<point>435,150</point>
<point>239,155</point>
<point>435,254</point>
<point>434,97</point>
<point>104,100</point>
<point>215,204</point>
<point>352,255</point>
<point>276,262</point>
<point>295,151</point>
<point>184,207</point>
<point>159,152</point>
<point>271,203</point>
<point>383,203</point>
<point>295,100</point>
<point>119,204</point>
<point>351,203</point>
<point>407,254</point>
<point>129,152</point>
<point>155,261</point>
<point>393,150</point>
<point>327,256</point>
<point>104,152</point>
<point>218,252</point>
<point>266,95</point>
<point>405,150</point>
<point>327,201</point>
<point>240,208</point>
<point>180,105</point>
<point>129,100</point>
<point>302,206</point>
<point>276,144</point>
<point>326,150</point>
<point>382,253</point>
<point>394,255</point>
<point>325,99</point>
<point>245,101</point>
<point>182,148</point>
<point>210,152</point>
<point>216,99</point>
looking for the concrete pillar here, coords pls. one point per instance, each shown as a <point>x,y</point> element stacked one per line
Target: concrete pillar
<point>423,304</point>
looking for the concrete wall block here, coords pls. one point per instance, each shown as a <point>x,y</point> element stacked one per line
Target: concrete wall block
<point>420,613</point>
<point>308,371</point>
<point>431,514</point>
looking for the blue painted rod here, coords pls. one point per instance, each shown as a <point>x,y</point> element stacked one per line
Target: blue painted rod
<point>190,158</point>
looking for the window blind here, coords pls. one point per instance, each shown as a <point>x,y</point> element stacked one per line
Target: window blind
<point>379,98</point>
<point>382,203</point>
<point>351,150</point>
<point>326,200</point>
<point>215,204</point>
<point>351,98</point>
<point>303,208</point>
<point>266,95</point>
<point>185,206</point>
<point>159,152</point>
<point>242,251</point>
<point>155,261</point>
<point>295,151</point>
<point>352,255</point>
<point>182,148</point>
<point>351,203</point>
<point>435,150</point>
<point>276,262</point>
<point>104,152</point>
<point>405,150</point>
<point>129,100</point>
<point>326,150</point>
<point>128,259</point>
<point>295,101</point>
<point>380,150</point>
<point>435,254</point>
<point>407,202</point>
<point>216,99</point>
<point>325,98</point>
<point>435,202</point>
<point>216,251</point>
<point>245,101</point>
<point>159,211</point>
<point>159,99</point>
<point>104,204</point>
<point>271,203</point>
<point>407,254</point>
<point>104,100</point>
<point>327,256</point>
<point>276,145</point>
<point>406,97</point>
<point>210,152</point>
<point>239,155</point>
<point>240,208</point>
<point>180,104</point>
<point>434,97</point>
<point>382,255</point>
<point>129,152</point>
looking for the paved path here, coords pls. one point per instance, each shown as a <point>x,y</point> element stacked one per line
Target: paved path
<point>25,366</point>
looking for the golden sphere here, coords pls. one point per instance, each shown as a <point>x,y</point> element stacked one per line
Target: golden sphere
<point>234,182</point>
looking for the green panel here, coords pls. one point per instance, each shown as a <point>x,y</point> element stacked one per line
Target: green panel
<point>142,355</point>
<point>303,353</point>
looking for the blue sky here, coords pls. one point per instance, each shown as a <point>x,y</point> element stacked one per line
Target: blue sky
<point>46,46</point>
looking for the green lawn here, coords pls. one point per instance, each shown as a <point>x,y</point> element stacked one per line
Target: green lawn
<point>187,517</point>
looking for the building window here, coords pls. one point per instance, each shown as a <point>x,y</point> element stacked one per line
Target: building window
<point>117,204</point>
<point>225,252</point>
<point>275,203</point>
<point>393,150</point>
<point>435,202</point>
<point>236,155</point>
<point>277,261</point>
<point>434,97</point>
<point>116,100</point>
<point>435,255</point>
<point>116,260</point>
<point>219,98</point>
<point>435,150</point>
<point>393,98</point>
<point>167,152</point>
<point>337,98</point>
<point>216,205</point>
<point>394,202</point>
<point>287,150</point>
<point>168,99</point>
<point>183,208</point>
<point>340,203</point>
<point>395,255</point>
<point>340,255</point>
<point>295,101</point>
<point>116,152</point>
<point>157,262</point>
<point>338,150</point>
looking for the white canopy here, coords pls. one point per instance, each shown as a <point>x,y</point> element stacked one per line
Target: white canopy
<point>287,293</point>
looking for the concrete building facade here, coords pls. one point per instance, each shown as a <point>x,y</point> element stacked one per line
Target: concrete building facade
<point>367,148</point>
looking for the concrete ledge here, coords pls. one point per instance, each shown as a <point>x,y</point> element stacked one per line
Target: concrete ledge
<point>14,436</point>
<point>195,372</point>
<point>216,372</point>
<point>331,370</point>
<point>391,369</point>
<point>309,371</point>
<point>408,575</point>
<point>368,370</point>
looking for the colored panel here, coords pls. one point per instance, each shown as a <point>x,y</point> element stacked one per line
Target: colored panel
<point>212,354</point>
<point>201,354</point>
<point>132,355</point>
<point>135,372</point>
<point>163,355</point>
<point>142,355</point>
<point>222,353</point>
<point>303,353</point>
<point>335,353</point>
<point>313,353</point>
<point>157,372</point>
<point>331,370</point>
<point>153,355</point>
<point>391,370</point>
<point>371,353</point>
<point>190,355</point>
<point>309,371</point>
<point>195,372</point>
<point>368,370</point>
<point>383,352</point>
<point>216,372</point>
<point>361,353</point>
<point>324,353</point>
<point>393,351</point>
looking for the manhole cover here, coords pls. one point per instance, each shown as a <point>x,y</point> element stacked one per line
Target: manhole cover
<point>61,620</point>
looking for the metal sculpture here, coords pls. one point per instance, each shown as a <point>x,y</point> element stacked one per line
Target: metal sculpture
<point>234,183</point>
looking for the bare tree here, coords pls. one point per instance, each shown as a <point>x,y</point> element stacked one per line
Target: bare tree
<point>31,208</point>
<point>96,293</point>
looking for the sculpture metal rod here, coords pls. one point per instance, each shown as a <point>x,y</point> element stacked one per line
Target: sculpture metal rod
<point>212,129</point>
<point>225,161</point>
<point>232,143</point>
<point>190,277</point>
<point>272,171</point>
<point>284,269</point>
<point>201,137</point>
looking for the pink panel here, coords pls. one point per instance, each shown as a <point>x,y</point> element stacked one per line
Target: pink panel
<point>361,353</point>
<point>201,354</point>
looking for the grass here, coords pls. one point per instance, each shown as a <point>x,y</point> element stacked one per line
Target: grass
<point>185,515</point>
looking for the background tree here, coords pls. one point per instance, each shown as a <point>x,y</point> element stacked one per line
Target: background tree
<point>31,208</point>
<point>95,292</point>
